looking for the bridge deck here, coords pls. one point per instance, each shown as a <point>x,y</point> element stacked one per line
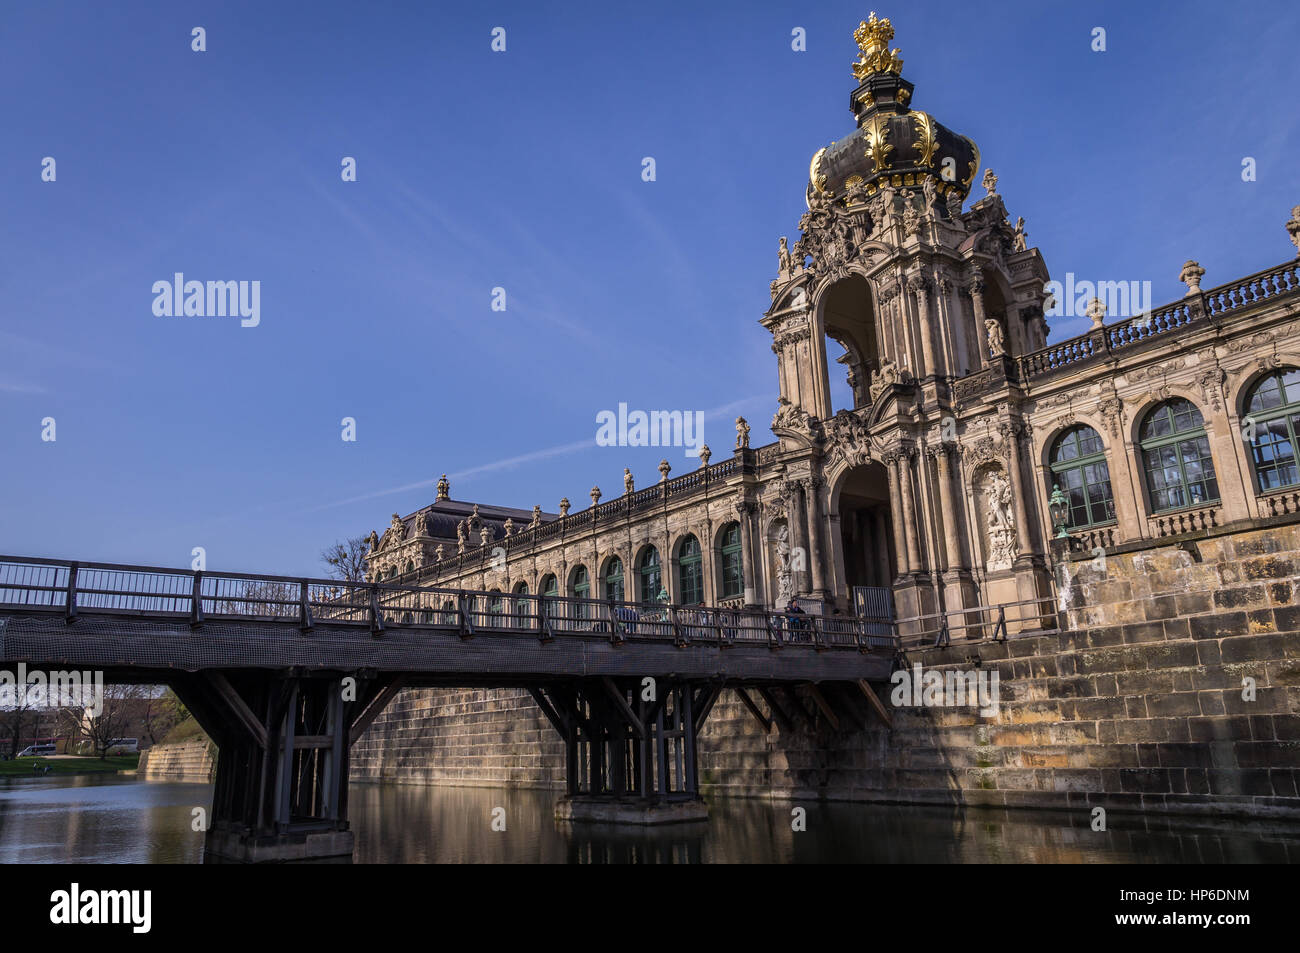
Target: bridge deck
<point>141,619</point>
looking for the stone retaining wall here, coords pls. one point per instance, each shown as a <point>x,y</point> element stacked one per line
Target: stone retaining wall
<point>183,761</point>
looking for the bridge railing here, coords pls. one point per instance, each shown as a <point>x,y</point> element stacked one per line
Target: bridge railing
<point>71,587</point>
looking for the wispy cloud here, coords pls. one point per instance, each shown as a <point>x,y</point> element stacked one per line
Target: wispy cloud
<point>508,463</point>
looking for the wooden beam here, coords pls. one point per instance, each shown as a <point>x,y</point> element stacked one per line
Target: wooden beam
<point>225,693</point>
<point>557,721</point>
<point>820,701</point>
<point>876,703</point>
<point>778,712</point>
<point>704,704</point>
<point>753,709</point>
<point>621,706</point>
<point>372,710</point>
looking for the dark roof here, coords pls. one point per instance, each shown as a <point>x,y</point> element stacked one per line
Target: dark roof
<point>443,516</point>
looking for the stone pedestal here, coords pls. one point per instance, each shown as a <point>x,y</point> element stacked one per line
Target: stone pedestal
<point>587,810</point>
<point>226,846</point>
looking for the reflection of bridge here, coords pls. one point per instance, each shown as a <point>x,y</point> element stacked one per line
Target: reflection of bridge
<point>285,674</point>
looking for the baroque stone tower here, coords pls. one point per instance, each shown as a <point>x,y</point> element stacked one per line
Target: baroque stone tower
<point>919,295</point>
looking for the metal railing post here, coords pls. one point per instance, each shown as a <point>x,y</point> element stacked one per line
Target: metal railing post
<point>544,632</point>
<point>462,605</point>
<point>304,609</point>
<point>70,604</point>
<point>196,601</point>
<point>376,622</point>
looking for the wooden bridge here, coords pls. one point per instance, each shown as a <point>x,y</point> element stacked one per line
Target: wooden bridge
<point>285,674</point>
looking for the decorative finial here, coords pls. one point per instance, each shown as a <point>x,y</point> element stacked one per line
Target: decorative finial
<point>664,470</point>
<point>485,534</point>
<point>1096,311</point>
<point>537,517</point>
<point>1293,229</point>
<point>510,526</point>
<point>595,495</point>
<point>1191,276</point>
<point>628,485</point>
<point>437,552</point>
<point>705,453</point>
<point>990,182</point>
<point>444,489</point>
<point>564,506</point>
<point>873,36</point>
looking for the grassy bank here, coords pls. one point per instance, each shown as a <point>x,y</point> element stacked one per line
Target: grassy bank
<point>23,767</point>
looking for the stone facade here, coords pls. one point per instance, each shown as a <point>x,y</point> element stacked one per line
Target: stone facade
<point>183,761</point>
<point>937,483</point>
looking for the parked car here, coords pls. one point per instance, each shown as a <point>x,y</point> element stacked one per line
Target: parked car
<point>120,746</point>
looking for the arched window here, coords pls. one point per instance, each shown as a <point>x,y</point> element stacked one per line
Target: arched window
<point>1176,457</point>
<point>410,567</point>
<point>690,569</point>
<point>733,576</point>
<point>495,603</point>
<point>521,589</point>
<point>614,580</point>
<point>550,585</point>
<point>1078,464</point>
<point>1273,416</point>
<point>651,577</point>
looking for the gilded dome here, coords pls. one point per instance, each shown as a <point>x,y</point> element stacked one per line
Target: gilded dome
<point>893,144</point>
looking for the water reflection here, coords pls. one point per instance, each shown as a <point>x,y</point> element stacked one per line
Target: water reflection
<point>122,820</point>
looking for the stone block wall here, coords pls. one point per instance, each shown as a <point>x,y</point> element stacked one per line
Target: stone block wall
<point>1137,704</point>
<point>182,761</point>
<point>479,737</point>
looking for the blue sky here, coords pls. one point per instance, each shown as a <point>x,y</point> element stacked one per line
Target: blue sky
<point>519,170</point>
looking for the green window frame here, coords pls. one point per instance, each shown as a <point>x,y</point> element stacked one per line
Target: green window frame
<point>690,570</point>
<point>1176,457</point>
<point>1273,418</point>
<point>550,585</point>
<point>614,580</point>
<point>733,573</point>
<point>651,575</point>
<point>1079,468</point>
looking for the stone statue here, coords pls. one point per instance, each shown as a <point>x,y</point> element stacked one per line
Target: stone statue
<point>1293,229</point>
<point>444,489</point>
<point>1000,520</point>
<point>537,517</point>
<point>1018,239</point>
<point>997,338</point>
<point>461,532</point>
<point>930,191</point>
<point>953,199</point>
<point>742,434</point>
<point>784,575</point>
<point>628,485</point>
<point>373,542</point>
<point>911,219</point>
<point>705,453</point>
<point>437,552</point>
<point>990,182</point>
<point>510,526</point>
<point>785,262</point>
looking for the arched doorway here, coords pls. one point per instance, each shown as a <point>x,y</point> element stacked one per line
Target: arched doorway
<point>866,532</point>
<point>848,319</point>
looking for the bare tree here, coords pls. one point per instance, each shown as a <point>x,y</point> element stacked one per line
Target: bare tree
<point>16,717</point>
<point>346,561</point>
<point>100,731</point>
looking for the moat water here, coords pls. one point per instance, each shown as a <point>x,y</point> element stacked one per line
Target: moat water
<point>97,819</point>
